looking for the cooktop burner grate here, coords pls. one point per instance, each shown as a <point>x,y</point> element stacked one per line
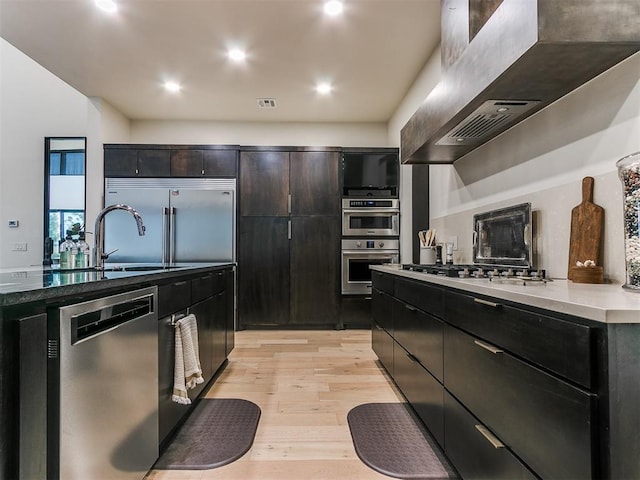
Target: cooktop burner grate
<point>478,271</point>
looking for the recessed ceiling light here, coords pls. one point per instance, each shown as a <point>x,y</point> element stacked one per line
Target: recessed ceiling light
<point>237,55</point>
<point>333,7</point>
<point>108,6</point>
<point>172,87</point>
<point>324,88</point>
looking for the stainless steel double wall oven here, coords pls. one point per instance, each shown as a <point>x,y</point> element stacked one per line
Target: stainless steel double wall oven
<point>370,216</point>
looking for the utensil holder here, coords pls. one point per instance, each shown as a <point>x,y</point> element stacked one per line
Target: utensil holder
<point>427,255</point>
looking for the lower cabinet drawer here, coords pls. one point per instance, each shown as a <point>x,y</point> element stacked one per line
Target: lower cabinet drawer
<point>382,309</point>
<point>474,451</point>
<point>546,422</point>
<point>382,344</point>
<point>420,334</point>
<point>422,390</point>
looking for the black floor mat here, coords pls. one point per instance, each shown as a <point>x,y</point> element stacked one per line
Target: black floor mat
<point>389,438</point>
<point>218,431</point>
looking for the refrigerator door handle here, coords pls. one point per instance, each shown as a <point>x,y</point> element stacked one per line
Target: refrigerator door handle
<point>172,234</point>
<point>165,221</point>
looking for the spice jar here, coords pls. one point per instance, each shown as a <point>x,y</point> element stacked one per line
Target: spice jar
<point>629,173</point>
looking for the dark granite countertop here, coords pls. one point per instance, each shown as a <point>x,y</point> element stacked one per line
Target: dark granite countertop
<point>30,284</point>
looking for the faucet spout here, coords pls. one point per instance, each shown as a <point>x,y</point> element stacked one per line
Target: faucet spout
<point>98,253</point>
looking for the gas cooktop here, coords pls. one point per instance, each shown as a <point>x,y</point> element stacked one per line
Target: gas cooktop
<point>519,274</point>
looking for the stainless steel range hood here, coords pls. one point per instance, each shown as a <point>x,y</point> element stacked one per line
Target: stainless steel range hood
<point>504,60</point>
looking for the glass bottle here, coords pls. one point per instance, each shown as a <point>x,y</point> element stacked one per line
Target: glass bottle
<point>82,258</point>
<point>65,249</point>
<point>629,173</point>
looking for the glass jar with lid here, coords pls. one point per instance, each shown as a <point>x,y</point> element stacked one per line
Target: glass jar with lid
<point>629,173</point>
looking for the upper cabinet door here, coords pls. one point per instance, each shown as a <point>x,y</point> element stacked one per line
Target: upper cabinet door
<point>186,163</point>
<point>315,183</point>
<point>220,163</point>
<point>264,183</point>
<point>120,162</point>
<point>154,163</point>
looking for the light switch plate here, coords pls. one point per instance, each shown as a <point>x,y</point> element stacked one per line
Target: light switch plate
<point>453,239</point>
<point>20,247</point>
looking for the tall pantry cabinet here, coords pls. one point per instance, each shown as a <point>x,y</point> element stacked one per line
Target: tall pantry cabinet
<point>289,237</point>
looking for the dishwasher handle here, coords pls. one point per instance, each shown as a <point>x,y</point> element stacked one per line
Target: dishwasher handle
<point>107,317</point>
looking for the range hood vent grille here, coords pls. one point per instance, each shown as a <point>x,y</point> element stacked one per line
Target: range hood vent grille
<point>486,121</point>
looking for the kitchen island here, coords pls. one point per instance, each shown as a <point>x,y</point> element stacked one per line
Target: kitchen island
<point>30,302</point>
<point>536,380</point>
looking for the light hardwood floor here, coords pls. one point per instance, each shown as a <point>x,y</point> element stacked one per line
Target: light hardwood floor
<point>305,383</point>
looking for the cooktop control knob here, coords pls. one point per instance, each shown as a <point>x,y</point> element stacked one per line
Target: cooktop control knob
<point>381,244</point>
<point>358,244</point>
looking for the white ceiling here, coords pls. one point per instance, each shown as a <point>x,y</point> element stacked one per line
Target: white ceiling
<point>372,54</point>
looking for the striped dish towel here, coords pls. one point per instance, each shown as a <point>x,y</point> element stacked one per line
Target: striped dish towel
<point>186,372</point>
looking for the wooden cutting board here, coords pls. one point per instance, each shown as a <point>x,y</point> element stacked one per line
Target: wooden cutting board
<point>587,224</point>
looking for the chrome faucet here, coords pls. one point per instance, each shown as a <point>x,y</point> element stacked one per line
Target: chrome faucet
<point>98,254</point>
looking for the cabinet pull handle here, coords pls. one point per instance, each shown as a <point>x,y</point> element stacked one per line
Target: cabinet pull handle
<point>487,303</point>
<point>410,308</point>
<point>289,203</point>
<point>493,440</point>
<point>378,327</point>
<point>413,358</point>
<point>489,347</point>
<point>177,284</point>
<point>289,229</point>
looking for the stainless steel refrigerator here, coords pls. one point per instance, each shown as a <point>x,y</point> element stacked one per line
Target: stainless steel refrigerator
<point>187,220</point>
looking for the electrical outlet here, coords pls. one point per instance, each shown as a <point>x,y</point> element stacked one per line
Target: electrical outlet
<point>453,239</point>
<point>19,247</point>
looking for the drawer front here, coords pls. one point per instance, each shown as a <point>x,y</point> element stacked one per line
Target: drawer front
<point>382,310</point>
<point>547,422</point>
<point>173,297</point>
<point>382,281</point>
<point>561,346</point>
<point>473,450</point>
<point>382,345</point>
<point>202,287</point>
<point>427,298</point>
<point>421,335</point>
<point>422,390</point>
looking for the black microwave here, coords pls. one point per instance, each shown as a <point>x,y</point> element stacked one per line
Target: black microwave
<point>370,173</point>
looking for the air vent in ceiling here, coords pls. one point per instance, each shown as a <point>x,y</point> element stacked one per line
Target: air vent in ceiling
<point>492,116</point>
<point>267,103</point>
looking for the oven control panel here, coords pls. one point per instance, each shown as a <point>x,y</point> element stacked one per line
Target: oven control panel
<point>365,244</point>
<point>371,203</point>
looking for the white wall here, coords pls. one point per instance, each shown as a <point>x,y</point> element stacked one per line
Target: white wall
<point>543,161</point>
<point>34,104</point>
<point>264,133</point>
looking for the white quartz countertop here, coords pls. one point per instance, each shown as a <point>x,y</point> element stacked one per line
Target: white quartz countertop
<point>607,303</point>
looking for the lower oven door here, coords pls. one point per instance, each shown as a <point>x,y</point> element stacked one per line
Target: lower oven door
<point>356,274</point>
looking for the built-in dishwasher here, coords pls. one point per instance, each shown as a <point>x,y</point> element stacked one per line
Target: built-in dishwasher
<point>103,388</point>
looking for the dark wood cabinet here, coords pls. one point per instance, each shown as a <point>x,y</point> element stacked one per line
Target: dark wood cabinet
<point>421,389</point>
<point>475,451</point>
<point>296,194</point>
<point>264,183</point>
<point>263,272</point>
<point>315,185</point>
<point>547,422</point>
<point>206,297</point>
<point>136,162</point>
<point>204,163</point>
<point>209,161</point>
<point>315,255</point>
<point>510,392</point>
<point>421,334</point>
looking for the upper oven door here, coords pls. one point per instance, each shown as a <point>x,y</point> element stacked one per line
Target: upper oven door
<point>362,222</point>
<point>503,237</point>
